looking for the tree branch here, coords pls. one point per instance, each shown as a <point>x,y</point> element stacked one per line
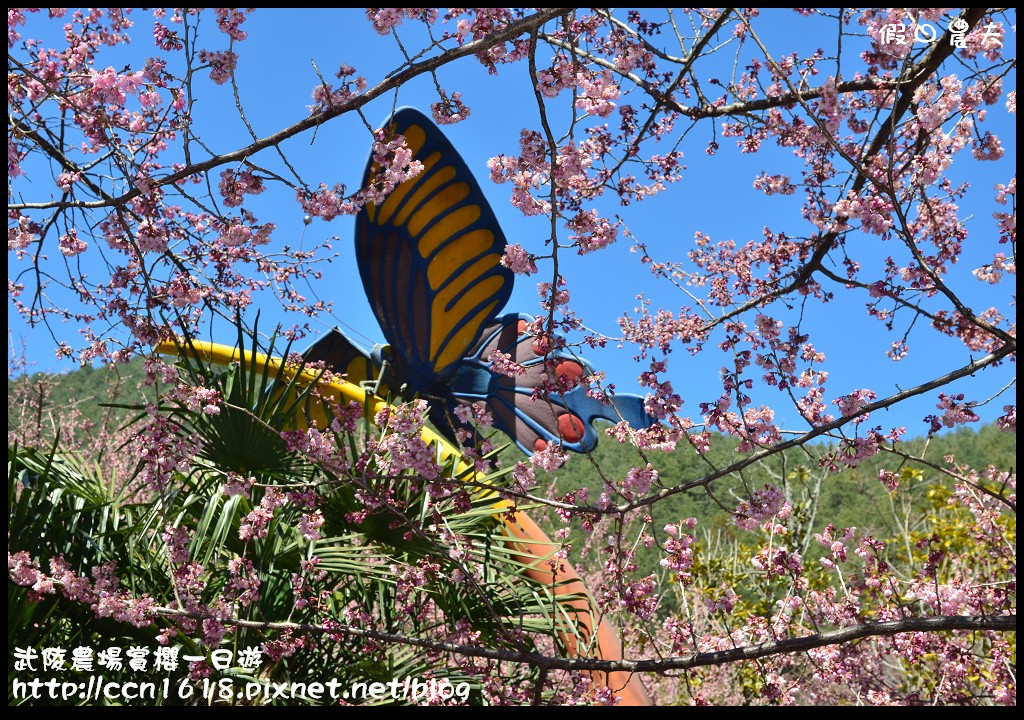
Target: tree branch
<point>940,623</point>
<point>969,369</point>
<point>526,25</point>
<point>918,74</point>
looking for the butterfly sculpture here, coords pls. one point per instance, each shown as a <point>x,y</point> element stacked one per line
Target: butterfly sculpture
<point>430,257</point>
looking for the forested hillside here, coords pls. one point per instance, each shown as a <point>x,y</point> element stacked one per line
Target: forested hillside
<point>852,497</point>
<point>38,401</point>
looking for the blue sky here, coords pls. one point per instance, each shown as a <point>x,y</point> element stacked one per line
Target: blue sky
<point>276,75</point>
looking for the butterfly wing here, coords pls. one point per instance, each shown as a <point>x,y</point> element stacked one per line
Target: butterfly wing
<point>429,257</point>
<point>534,419</point>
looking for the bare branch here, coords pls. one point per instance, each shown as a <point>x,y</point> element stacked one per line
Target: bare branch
<point>526,25</point>
<point>998,623</point>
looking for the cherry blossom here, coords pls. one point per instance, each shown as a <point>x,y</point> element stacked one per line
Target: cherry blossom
<point>131,221</point>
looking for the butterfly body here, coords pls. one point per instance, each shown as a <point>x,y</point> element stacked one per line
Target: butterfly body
<point>474,381</point>
<point>429,257</point>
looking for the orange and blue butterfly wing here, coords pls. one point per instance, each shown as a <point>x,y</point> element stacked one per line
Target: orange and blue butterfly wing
<point>430,259</point>
<point>529,408</point>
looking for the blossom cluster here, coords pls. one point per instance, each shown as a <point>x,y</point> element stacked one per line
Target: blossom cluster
<point>126,218</point>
